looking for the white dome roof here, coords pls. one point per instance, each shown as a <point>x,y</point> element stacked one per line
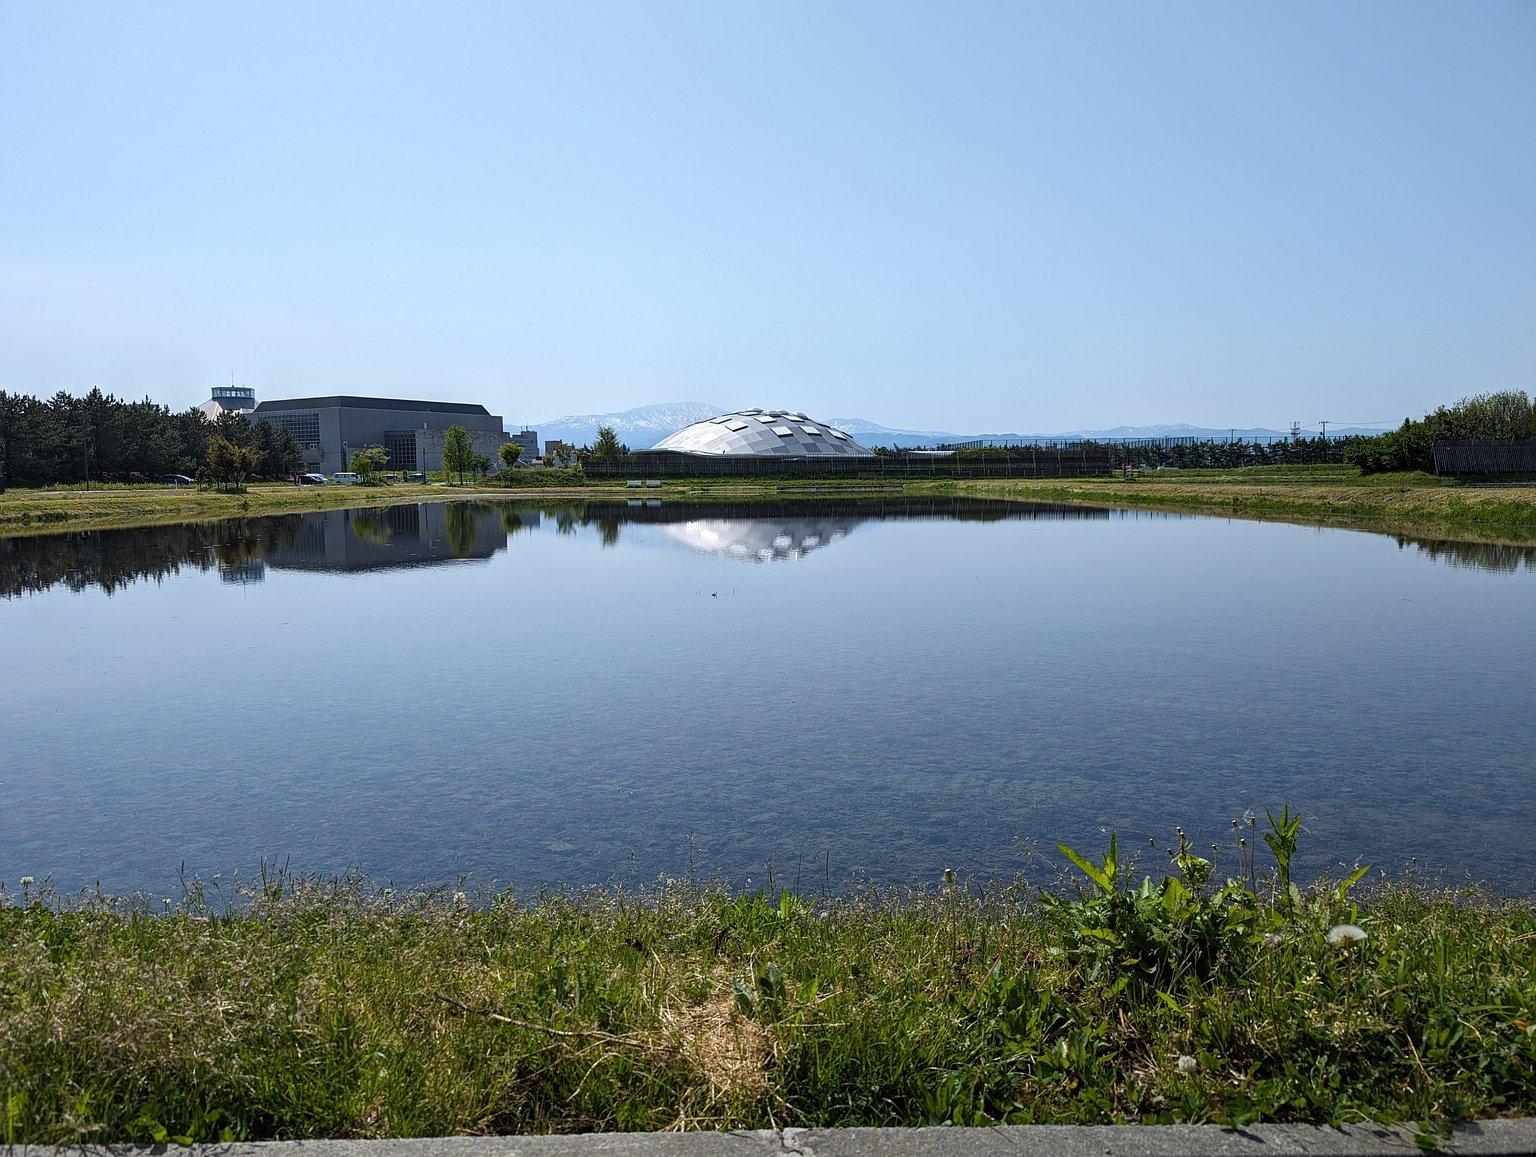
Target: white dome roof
<point>786,433</point>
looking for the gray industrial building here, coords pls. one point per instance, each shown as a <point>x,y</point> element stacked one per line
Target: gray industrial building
<point>328,430</point>
<point>529,441</point>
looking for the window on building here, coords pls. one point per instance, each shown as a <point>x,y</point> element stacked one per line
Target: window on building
<point>401,445</point>
<point>305,427</point>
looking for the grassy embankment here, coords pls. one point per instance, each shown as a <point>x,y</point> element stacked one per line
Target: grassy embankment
<point>332,1009</point>
<point>46,511</point>
<point>1413,504</point>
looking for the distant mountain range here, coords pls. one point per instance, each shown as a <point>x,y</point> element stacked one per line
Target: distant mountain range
<point>874,434</point>
<point>644,426</point>
<point>639,429</point>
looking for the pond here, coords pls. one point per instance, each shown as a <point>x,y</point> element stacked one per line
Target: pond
<point>873,688</point>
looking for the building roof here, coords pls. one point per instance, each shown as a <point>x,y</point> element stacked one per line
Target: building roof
<point>766,433</point>
<point>348,401</point>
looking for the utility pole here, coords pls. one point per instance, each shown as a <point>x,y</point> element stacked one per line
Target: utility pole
<point>1323,422</point>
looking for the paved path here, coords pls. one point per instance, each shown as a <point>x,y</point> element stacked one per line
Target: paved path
<point>1488,1137</point>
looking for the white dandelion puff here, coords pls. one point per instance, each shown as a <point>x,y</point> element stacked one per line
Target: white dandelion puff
<point>1343,935</point>
<point>1188,1064</point>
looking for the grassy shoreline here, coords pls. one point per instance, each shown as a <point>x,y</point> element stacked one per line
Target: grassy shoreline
<point>1416,505</point>
<point>29,512</point>
<point>309,1008</point>
<point>1410,504</point>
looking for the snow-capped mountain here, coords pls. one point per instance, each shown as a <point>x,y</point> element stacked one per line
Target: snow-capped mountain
<point>639,429</point>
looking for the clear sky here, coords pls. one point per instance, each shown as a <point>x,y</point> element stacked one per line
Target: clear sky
<point>1004,216</point>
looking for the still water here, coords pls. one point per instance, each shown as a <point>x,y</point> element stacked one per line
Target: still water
<point>525,694</point>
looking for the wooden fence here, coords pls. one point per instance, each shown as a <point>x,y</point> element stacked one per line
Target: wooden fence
<point>1477,456</point>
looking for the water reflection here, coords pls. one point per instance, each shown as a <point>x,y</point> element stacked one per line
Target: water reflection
<point>345,541</point>
<point>1492,556</point>
<point>111,559</point>
<point>759,539</point>
<point>431,534</point>
<point>899,685</point>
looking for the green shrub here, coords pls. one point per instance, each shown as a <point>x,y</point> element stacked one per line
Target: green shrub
<point>545,476</point>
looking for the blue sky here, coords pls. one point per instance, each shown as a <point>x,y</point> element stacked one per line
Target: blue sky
<point>970,216</point>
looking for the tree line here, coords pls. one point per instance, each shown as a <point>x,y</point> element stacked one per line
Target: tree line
<point>97,437</point>
<point>1502,416</point>
<point>1188,454</point>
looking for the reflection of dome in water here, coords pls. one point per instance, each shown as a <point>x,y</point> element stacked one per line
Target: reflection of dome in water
<point>759,539</point>
<point>763,432</point>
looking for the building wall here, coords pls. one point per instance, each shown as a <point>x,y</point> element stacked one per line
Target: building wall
<point>328,435</point>
<point>529,441</point>
<point>429,447</point>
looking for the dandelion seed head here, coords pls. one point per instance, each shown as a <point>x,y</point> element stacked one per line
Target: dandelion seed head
<point>26,881</point>
<point>1187,1064</point>
<point>1343,935</point>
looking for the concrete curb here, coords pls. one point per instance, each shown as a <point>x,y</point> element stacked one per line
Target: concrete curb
<point>1487,1137</point>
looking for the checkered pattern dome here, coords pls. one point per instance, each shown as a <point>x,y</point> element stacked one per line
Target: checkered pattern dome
<point>787,433</point>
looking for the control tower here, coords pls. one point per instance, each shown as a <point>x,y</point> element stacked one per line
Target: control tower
<point>240,399</point>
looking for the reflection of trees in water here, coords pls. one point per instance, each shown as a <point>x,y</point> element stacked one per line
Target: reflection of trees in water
<point>111,559</point>
<point>239,551</point>
<point>514,521</point>
<point>372,526</point>
<point>460,519</point>
<point>1478,555</point>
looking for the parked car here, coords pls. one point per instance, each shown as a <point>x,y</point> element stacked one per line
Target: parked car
<point>347,478</point>
<point>313,479</point>
<point>176,480</point>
